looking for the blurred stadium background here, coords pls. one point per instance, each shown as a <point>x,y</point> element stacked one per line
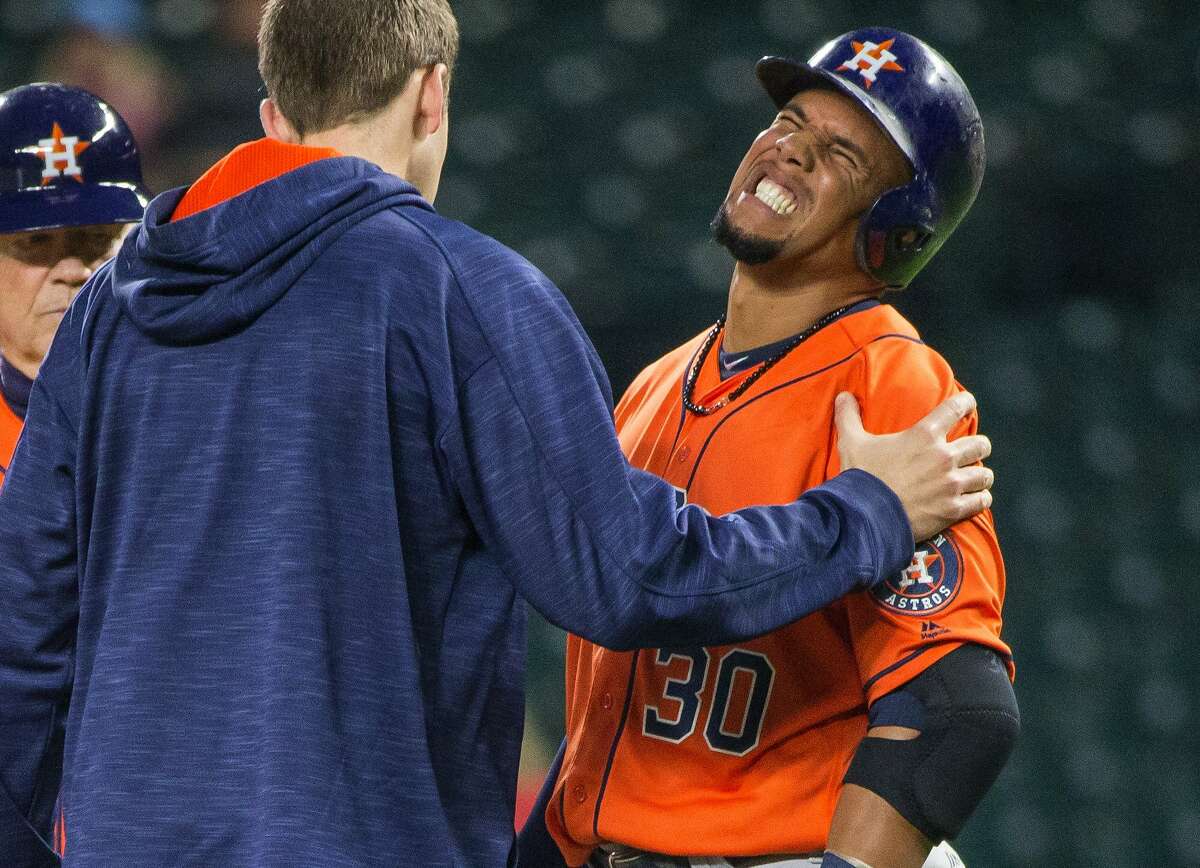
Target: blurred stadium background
<point>598,138</point>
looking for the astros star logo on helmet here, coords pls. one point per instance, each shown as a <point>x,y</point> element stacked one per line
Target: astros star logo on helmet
<point>59,153</point>
<point>871,59</point>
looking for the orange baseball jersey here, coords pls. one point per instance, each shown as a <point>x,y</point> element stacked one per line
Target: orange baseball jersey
<point>740,750</point>
<point>10,431</point>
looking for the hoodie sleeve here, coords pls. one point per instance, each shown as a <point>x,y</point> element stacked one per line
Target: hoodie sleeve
<point>38,613</point>
<point>605,551</point>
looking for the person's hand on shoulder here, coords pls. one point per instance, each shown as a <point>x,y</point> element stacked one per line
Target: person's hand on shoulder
<point>939,482</point>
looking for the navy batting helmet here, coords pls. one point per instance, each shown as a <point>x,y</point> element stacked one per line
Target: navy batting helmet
<point>925,108</point>
<point>66,159</point>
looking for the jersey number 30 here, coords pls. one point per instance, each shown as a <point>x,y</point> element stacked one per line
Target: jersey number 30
<point>724,736</point>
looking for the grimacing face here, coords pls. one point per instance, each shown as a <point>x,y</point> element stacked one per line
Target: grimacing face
<point>806,179</point>
<point>40,274</point>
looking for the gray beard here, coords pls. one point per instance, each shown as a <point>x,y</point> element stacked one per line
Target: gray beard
<point>749,249</point>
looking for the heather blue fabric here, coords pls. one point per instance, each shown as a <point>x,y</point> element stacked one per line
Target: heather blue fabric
<point>289,467</point>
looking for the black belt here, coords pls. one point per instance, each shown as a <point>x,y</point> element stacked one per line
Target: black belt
<point>607,856</point>
<point>618,856</point>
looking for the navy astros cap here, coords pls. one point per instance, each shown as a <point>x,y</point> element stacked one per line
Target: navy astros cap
<point>66,159</point>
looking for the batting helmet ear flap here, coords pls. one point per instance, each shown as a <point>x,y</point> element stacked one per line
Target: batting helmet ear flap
<point>898,235</point>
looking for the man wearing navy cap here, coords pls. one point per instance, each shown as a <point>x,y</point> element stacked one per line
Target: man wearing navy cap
<point>70,181</point>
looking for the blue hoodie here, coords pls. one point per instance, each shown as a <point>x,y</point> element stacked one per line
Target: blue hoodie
<point>288,469</point>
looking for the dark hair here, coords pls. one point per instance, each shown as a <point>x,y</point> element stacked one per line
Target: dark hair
<point>328,62</point>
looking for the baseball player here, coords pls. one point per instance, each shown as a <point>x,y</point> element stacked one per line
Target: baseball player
<point>867,732</point>
<point>70,183</point>
<point>291,463</point>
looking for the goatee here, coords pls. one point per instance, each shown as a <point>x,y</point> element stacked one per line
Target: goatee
<point>746,248</point>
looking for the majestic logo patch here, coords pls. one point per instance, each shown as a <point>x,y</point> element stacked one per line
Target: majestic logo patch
<point>871,59</point>
<point>928,584</point>
<point>932,629</point>
<point>59,153</point>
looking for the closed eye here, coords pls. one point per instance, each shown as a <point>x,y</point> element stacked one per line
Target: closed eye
<point>791,117</point>
<point>852,152</point>
<point>35,240</point>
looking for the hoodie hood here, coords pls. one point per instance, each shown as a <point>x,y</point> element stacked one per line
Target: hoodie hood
<point>214,273</point>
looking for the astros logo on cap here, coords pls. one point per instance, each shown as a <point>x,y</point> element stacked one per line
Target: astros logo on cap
<point>871,59</point>
<point>59,153</point>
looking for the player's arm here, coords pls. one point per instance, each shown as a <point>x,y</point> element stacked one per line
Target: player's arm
<point>935,747</point>
<point>603,550</point>
<point>940,731</point>
<point>38,615</point>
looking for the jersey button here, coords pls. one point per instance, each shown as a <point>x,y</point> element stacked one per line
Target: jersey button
<point>579,792</point>
<point>606,701</point>
<point>684,453</point>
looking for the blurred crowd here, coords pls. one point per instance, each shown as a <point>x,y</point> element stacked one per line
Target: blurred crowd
<point>183,73</point>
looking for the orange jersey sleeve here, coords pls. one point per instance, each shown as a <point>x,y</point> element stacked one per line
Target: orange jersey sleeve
<point>953,590</point>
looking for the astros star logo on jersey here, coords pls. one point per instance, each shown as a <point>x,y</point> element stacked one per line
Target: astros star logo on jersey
<point>59,153</point>
<point>926,585</point>
<point>871,59</point>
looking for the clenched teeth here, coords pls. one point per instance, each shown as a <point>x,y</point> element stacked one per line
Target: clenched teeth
<point>778,199</point>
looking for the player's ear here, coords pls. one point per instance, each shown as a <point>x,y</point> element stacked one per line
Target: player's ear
<point>432,101</point>
<point>274,124</point>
